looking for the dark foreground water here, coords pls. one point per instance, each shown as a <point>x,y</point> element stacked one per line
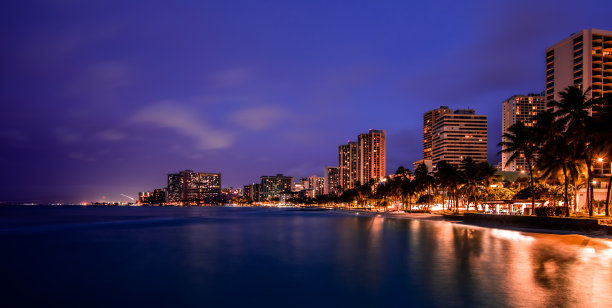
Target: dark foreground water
<point>206,257</point>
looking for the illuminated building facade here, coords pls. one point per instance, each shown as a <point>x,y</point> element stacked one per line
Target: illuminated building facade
<point>252,191</point>
<point>273,186</point>
<point>459,135</point>
<point>372,156</point>
<point>585,59</point>
<point>348,162</point>
<point>332,180</point>
<point>519,108</point>
<point>188,187</point>
<point>429,118</point>
<point>316,186</point>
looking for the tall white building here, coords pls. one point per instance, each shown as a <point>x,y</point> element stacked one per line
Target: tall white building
<point>458,135</point>
<point>585,59</point>
<point>372,155</point>
<point>519,108</point>
<point>332,180</point>
<point>348,165</point>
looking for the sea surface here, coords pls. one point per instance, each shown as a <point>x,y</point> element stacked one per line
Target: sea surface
<point>96,256</point>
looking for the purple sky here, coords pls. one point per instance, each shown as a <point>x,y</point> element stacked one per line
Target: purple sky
<point>105,99</point>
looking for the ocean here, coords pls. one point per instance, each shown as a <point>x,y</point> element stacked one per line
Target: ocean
<point>109,256</point>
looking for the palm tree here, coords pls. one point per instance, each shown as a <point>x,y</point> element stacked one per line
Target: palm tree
<point>573,111</point>
<point>448,177</point>
<point>602,113</point>
<point>469,178</point>
<point>423,180</point>
<point>520,142</point>
<point>555,156</point>
<point>408,189</point>
<point>487,174</point>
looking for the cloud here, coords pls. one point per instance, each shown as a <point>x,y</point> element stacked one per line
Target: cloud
<point>100,81</point>
<point>81,156</point>
<point>231,77</point>
<point>173,116</point>
<point>257,118</point>
<point>67,136</point>
<point>110,135</point>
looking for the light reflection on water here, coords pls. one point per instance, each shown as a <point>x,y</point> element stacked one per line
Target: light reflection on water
<point>225,257</point>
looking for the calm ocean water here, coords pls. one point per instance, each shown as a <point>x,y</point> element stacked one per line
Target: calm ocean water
<point>218,256</point>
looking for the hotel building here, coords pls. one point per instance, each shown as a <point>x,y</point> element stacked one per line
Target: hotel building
<point>348,162</point>
<point>519,108</point>
<point>429,118</point>
<point>252,191</point>
<point>332,180</point>
<point>372,155</point>
<point>585,59</point>
<point>458,135</point>
<point>188,187</point>
<point>273,186</point>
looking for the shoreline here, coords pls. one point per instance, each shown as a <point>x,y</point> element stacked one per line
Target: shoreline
<point>439,217</point>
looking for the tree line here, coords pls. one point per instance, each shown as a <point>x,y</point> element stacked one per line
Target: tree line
<point>560,150</point>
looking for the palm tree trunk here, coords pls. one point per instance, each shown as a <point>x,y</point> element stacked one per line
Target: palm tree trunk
<point>608,196</point>
<point>589,190</point>
<point>565,197</point>
<point>532,188</point>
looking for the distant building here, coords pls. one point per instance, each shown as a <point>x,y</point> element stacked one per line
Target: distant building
<point>273,186</point>
<point>143,197</point>
<point>316,186</point>
<point>252,191</point>
<point>348,162</point>
<point>584,59</point>
<point>188,187</point>
<point>459,135</point>
<point>429,119</point>
<point>158,196</point>
<point>332,180</point>
<point>372,155</point>
<point>519,108</point>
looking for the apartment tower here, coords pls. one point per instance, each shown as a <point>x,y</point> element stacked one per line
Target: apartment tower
<point>519,108</point>
<point>372,155</point>
<point>584,59</point>
<point>348,165</point>
<point>429,118</point>
<point>458,135</point>
<point>332,180</point>
<point>273,186</point>
<point>189,187</point>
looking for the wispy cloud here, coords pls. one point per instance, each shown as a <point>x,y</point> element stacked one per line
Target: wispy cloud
<point>258,117</point>
<point>110,135</point>
<point>231,77</point>
<point>182,120</point>
<point>67,136</point>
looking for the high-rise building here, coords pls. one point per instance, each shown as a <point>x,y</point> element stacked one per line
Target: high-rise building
<point>252,191</point>
<point>372,155</point>
<point>348,162</point>
<point>429,118</point>
<point>519,108</point>
<point>273,186</point>
<point>584,59</point>
<point>312,186</point>
<point>332,180</point>
<point>190,187</point>
<point>459,135</point>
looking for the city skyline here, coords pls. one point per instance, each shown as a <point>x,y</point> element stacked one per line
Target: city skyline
<point>101,100</point>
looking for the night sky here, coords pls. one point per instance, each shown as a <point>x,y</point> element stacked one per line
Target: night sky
<point>105,99</point>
